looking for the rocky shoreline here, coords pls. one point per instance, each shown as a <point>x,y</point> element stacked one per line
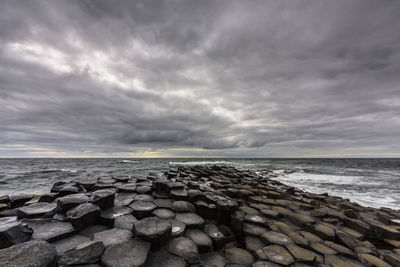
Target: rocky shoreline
<point>193,216</point>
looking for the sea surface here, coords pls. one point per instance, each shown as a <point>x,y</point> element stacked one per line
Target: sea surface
<point>370,182</point>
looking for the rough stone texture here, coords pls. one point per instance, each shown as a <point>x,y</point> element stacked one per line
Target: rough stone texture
<point>53,231</point>
<point>183,206</point>
<point>372,261</point>
<point>113,236</point>
<point>272,237</point>
<point>91,230</point>
<point>142,209</point>
<point>13,232</point>
<point>192,220</point>
<point>37,210</point>
<point>338,261</point>
<point>19,200</point>
<point>104,198</point>
<point>275,253</point>
<point>132,253</point>
<point>34,253</point>
<point>88,252</point>
<point>213,259</point>
<point>69,243</point>
<point>125,222</point>
<point>164,213</point>
<point>153,229</point>
<point>163,258</point>
<point>83,215</point>
<point>108,216</point>
<point>178,228</point>
<point>201,239</point>
<point>68,202</point>
<point>185,248</point>
<point>248,215</point>
<point>239,256</point>
<point>253,243</point>
<point>303,255</point>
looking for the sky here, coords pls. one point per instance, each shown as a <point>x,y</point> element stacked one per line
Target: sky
<point>189,78</point>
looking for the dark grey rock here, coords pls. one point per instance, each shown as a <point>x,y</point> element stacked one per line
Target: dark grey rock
<point>163,203</point>
<point>122,179</point>
<point>192,220</point>
<point>68,189</point>
<point>183,206</point>
<point>84,253</point>
<point>253,229</point>
<point>163,258</point>
<point>8,219</point>
<point>164,213</point>
<point>142,209</point>
<point>83,215</point>
<point>255,218</point>
<point>4,199</point>
<point>9,212</point>
<point>12,233</point>
<point>32,253</point>
<point>253,243</point>
<point>124,199</point>
<point>37,210</point>
<point>69,243</point>
<point>103,186</point>
<point>68,202</point>
<point>132,253</point>
<point>180,194</point>
<point>126,188</point>
<point>275,253</point>
<point>104,198</point>
<point>53,231</point>
<point>86,183</point>
<point>213,259</point>
<point>276,238</point>
<point>153,229</point>
<point>239,256</point>
<point>216,235</point>
<point>201,239</point>
<point>143,189</point>
<point>48,197</point>
<point>19,200</point>
<point>178,228</point>
<point>271,264</point>
<point>108,216</point>
<point>113,236</point>
<point>185,248</point>
<point>125,222</point>
<point>93,229</point>
<point>144,197</point>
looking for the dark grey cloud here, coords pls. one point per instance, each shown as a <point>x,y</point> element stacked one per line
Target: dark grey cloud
<point>199,78</point>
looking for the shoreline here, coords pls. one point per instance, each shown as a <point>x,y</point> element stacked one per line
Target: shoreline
<point>216,215</point>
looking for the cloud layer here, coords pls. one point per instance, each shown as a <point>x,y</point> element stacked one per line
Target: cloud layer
<point>200,78</point>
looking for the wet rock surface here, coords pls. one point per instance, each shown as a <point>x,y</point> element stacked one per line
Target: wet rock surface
<point>193,216</point>
<point>132,253</point>
<point>153,229</point>
<point>31,253</point>
<point>53,231</point>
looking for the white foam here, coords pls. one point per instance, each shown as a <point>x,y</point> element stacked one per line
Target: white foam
<point>335,185</point>
<point>200,162</point>
<point>128,161</point>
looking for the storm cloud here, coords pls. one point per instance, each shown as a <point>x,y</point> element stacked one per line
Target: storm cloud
<point>200,78</point>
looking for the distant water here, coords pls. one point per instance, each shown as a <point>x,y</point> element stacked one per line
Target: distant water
<point>370,182</point>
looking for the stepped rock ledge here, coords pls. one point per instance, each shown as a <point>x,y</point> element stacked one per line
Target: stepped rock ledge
<point>193,216</point>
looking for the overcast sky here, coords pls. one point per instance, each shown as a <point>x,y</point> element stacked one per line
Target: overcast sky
<point>202,78</point>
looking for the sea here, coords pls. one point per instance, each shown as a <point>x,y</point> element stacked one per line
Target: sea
<point>369,182</point>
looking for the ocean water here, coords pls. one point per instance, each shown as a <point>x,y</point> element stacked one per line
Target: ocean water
<point>370,182</point>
